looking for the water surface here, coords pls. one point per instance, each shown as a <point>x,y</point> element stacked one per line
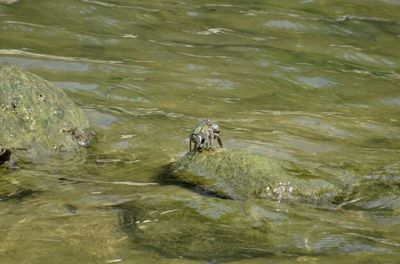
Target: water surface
<point>313,82</point>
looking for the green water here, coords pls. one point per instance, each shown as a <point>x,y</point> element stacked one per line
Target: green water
<point>312,82</point>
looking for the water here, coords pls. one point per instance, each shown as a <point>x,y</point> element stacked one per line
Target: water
<point>313,82</point>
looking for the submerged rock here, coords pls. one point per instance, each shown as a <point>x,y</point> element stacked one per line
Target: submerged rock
<point>11,189</point>
<point>177,223</point>
<point>241,175</point>
<point>36,117</point>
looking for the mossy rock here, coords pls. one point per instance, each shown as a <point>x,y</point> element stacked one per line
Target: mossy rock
<point>37,117</point>
<point>176,223</point>
<point>239,174</point>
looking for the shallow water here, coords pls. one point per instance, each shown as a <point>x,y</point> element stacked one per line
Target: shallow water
<point>313,82</point>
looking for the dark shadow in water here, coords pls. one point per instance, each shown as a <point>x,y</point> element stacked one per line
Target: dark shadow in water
<point>18,195</point>
<point>5,155</point>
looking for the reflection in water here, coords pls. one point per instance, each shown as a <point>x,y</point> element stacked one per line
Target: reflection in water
<point>284,24</point>
<point>310,82</point>
<point>315,82</point>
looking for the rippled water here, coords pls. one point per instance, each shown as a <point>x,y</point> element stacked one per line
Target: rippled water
<point>314,82</point>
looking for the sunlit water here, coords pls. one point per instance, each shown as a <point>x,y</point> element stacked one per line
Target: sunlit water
<point>314,82</point>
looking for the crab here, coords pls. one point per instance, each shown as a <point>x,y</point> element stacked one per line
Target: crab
<point>203,136</point>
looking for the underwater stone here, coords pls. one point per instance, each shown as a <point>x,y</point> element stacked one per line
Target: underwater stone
<point>175,223</point>
<point>10,188</point>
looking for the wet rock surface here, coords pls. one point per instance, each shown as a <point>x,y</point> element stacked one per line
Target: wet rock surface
<point>36,117</point>
<point>239,174</point>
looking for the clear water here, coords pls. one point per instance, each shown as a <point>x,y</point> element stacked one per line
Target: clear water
<point>315,82</point>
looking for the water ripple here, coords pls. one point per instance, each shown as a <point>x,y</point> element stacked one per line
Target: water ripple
<point>362,18</point>
<point>8,2</point>
<point>24,23</point>
<point>100,3</point>
<point>284,24</point>
<point>48,56</point>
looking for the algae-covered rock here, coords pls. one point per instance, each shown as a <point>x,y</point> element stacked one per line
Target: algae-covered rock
<point>176,223</point>
<point>35,115</point>
<point>242,175</point>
